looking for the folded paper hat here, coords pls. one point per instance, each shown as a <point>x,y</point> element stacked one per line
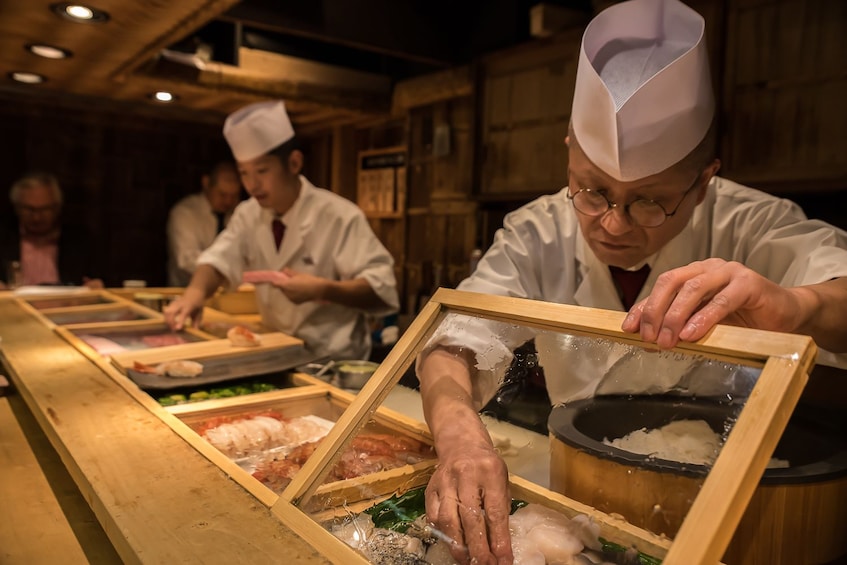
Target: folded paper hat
<point>643,96</point>
<point>256,129</point>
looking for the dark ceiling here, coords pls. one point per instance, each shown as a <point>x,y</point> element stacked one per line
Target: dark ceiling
<point>398,38</point>
<point>334,61</point>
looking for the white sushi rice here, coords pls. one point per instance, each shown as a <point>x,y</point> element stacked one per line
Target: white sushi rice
<point>684,441</point>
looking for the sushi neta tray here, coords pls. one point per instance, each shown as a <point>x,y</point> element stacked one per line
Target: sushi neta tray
<point>225,368</point>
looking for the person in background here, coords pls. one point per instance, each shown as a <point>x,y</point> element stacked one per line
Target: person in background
<point>38,249</point>
<point>195,221</point>
<point>645,225</point>
<point>318,267</point>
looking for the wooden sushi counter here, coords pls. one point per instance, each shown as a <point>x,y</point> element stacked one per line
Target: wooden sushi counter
<point>95,468</point>
<point>156,498</point>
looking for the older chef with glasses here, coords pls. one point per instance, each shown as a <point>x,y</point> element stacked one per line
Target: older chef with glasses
<point>644,225</point>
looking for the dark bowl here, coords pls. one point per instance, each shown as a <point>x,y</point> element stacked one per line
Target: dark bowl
<point>815,450</point>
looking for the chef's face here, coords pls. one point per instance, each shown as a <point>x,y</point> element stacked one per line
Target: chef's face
<point>225,191</point>
<point>38,210</point>
<point>269,181</point>
<point>613,236</point>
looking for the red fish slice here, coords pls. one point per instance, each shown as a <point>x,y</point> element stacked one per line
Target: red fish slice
<point>270,277</point>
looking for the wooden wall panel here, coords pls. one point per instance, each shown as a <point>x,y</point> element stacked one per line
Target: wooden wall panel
<point>525,103</point>
<point>784,92</point>
<point>119,173</point>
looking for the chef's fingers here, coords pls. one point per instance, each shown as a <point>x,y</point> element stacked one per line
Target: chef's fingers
<point>498,506</point>
<point>474,522</point>
<point>716,289</point>
<point>663,298</point>
<point>442,508</point>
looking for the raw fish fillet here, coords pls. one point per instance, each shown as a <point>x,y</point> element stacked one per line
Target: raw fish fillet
<point>271,277</point>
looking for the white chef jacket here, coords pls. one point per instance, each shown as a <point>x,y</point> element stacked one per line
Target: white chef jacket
<point>192,227</point>
<point>327,236</point>
<point>540,254</point>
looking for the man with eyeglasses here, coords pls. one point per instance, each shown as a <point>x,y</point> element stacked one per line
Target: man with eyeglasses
<point>39,250</point>
<point>644,225</point>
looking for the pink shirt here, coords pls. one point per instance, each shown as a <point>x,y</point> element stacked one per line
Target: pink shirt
<point>39,261</point>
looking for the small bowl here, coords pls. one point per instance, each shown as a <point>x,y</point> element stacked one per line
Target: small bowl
<point>354,373</point>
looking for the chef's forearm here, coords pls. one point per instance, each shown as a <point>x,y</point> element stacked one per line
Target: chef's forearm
<point>446,390</point>
<point>355,293</point>
<point>204,283</point>
<point>825,305</point>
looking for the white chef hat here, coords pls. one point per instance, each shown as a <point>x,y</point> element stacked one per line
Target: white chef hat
<point>256,129</point>
<point>643,96</point>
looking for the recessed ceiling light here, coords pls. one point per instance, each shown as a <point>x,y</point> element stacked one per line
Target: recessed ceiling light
<point>163,96</point>
<point>27,78</point>
<point>79,12</point>
<point>48,51</point>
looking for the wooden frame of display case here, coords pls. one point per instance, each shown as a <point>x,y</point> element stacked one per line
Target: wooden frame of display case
<point>786,361</point>
<point>319,399</point>
<point>110,302</point>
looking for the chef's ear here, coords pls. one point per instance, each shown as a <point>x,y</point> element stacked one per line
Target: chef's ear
<point>295,162</point>
<point>568,140</point>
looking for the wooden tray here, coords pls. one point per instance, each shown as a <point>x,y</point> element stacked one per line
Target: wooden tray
<point>241,365</point>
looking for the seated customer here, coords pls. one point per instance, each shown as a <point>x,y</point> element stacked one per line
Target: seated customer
<point>195,221</point>
<point>46,251</point>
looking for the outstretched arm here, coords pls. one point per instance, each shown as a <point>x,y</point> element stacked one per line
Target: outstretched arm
<point>687,302</point>
<point>467,497</point>
<point>205,281</point>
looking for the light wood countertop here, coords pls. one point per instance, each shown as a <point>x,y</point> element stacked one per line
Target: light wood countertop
<point>157,499</point>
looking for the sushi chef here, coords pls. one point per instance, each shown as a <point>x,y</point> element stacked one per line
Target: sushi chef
<point>645,225</point>
<point>195,221</point>
<point>321,269</point>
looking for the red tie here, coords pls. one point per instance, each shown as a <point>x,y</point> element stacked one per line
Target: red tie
<point>629,283</point>
<point>279,230</point>
<point>221,221</point>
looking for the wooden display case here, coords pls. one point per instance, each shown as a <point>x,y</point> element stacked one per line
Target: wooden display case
<point>780,362</point>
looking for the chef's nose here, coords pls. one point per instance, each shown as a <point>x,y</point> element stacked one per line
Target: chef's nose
<point>616,221</point>
<point>250,183</point>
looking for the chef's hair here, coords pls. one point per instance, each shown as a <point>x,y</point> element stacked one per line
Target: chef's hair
<point>31,180</point>
<point>220,167</point>
<point>284,150</point>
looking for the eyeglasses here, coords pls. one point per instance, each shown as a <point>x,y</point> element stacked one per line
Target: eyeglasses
<point>642,212</point>
<point>33,210</point>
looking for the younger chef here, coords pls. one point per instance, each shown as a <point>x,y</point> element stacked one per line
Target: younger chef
<point>331,271</point>
<point>643,200</point>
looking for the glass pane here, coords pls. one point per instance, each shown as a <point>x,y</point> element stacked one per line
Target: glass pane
<point>93,316</point>
<point>110,341</point>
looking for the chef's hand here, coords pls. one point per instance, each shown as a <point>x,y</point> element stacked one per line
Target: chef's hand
<point>301,287</point>
<point>468,500</point>
<point>186,308</point>
<point>687,302</point>
<point>468,497</point>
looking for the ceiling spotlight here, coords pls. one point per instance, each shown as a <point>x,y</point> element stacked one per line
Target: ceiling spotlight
<point>79,12</point>
<point>48,51</point>
<point>26,78</point>
<point>163,96</point>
